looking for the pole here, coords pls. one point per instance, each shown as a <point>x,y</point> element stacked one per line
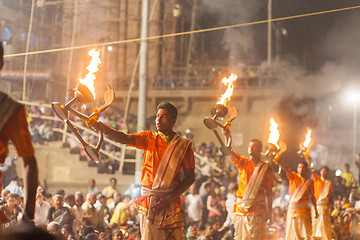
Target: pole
<point>70,61</point>
<point>27,50</point>
<point>141,121</point>
<point>354,130</point>
<point>269,33</point>
<point>191,37</point>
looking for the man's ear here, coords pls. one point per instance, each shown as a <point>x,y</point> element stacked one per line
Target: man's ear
<point>173,122</point>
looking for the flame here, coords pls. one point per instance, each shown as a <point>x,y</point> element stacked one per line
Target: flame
<point>229,82</point>
<point>274,133</point>
<point>88,81</point>
<point>308,138</point>
<point>318,234</point>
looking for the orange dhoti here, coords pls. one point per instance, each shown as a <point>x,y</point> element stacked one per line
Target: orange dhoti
<point>298,227</point>
<point>321,226</point>
<point>250,226</point>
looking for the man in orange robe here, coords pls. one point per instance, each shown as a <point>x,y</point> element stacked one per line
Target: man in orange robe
<point>14,127</point>
<point>254,204</point>
<point>166,156</point>
<point>323,193</point>
<point>301,191</point>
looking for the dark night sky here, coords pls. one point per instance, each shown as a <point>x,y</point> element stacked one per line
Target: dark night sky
<point>322,54</point>
<point>314,36</point>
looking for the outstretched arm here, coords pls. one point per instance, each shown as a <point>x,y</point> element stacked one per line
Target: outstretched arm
<point>30,185</point>
<point>115,135</point>
<point>284,166</point>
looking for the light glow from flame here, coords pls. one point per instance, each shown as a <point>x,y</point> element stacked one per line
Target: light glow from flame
<point>318,234</point>
<point>308,138</point>
<point>229,82</point>
<point>89,79</point>
<point>274,133</point>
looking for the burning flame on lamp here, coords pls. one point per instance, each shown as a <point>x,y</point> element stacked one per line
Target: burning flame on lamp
<point>308,139</point>
<point>318,235</point>
<point>88,81</point>
<point>229,82</point>
<point>274,133</point>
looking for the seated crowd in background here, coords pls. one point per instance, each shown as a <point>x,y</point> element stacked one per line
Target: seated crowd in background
<point>208,206</point>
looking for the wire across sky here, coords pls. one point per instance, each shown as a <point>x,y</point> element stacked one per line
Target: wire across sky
<point>182,33</point>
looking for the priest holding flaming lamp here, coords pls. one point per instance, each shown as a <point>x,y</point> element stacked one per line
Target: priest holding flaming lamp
<point>323,192</point>
<point>301,191</point>
<point>254,196</point>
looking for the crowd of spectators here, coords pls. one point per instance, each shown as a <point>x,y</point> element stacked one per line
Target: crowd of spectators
<point>208,206</point>
<point>217,184</point>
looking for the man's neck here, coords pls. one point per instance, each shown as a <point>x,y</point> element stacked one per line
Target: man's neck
<point>168,133</point>
<point>255,159</point>
<point>303,176</point>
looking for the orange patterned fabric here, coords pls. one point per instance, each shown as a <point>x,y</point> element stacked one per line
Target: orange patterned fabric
<point>154,148</point>
<point>294,181</point>
<point>318,185</point>
<point>246,168</point>
<point>16,130</point>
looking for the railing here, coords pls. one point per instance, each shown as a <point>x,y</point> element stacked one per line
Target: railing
<point>123,148</point>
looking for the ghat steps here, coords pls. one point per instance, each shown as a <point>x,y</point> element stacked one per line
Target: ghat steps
<point>60,169</point>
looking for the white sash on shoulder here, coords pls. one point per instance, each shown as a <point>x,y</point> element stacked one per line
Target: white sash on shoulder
<point>253,187</point>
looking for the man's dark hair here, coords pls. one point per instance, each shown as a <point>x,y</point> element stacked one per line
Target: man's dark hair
<point>100,196</point>
<point>61,192</point>
<point>113,179</point>
<point>15,178</point>
<point>69,197</point>
<point>1,51</point>
<point>124,196</point>
<point>257,141</point>
<point>26,231</point>
<point>47,195</point>
<point>170,108</point>
<point>88,230</point>
<point>305,164</point>
<point>11,195</point>
<point>326,168</point>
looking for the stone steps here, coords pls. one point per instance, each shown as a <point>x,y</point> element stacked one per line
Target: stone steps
<point>60,169</point>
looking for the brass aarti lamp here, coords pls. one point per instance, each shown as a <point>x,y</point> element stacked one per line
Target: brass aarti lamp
<point>84,95</point>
